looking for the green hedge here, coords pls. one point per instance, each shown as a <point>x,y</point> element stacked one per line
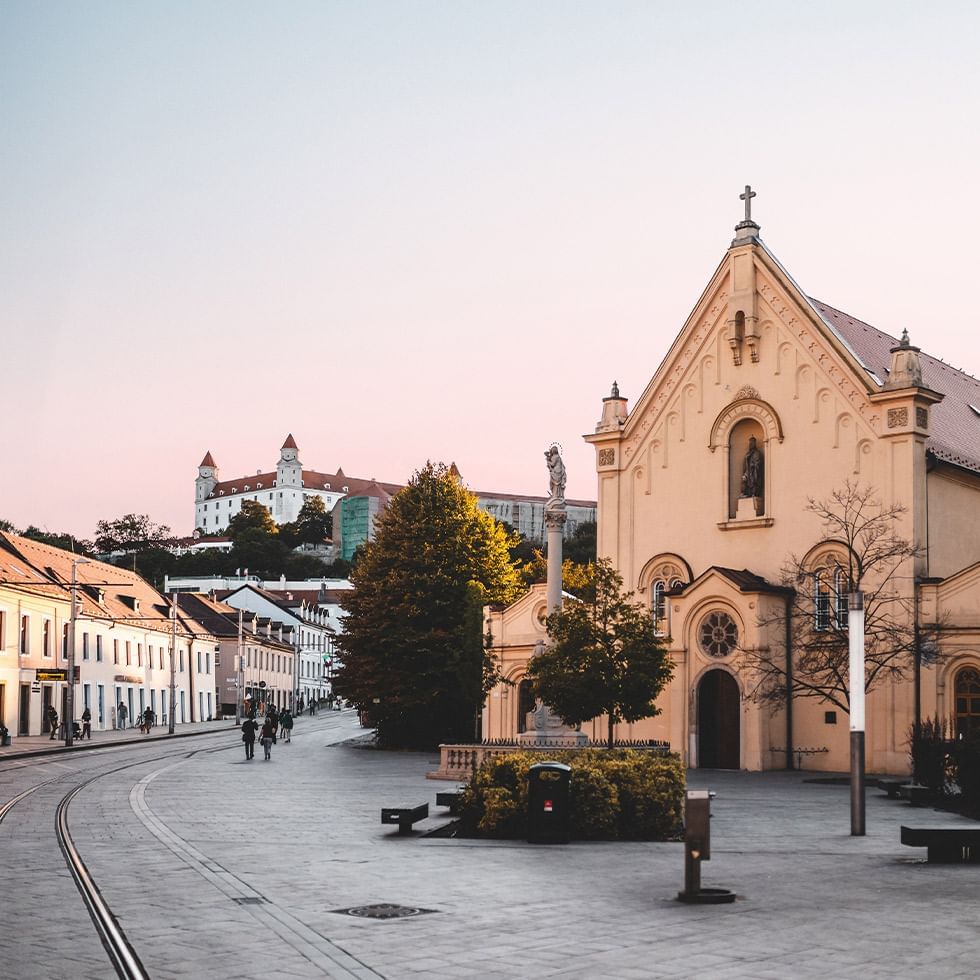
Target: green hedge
<point>615,795</point>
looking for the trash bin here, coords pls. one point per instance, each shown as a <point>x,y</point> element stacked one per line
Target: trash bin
<point>548,803</point>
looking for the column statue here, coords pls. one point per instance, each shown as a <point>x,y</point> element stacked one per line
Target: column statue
<point>753,480</point>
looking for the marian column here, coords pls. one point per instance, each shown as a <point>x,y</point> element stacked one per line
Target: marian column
<point>555,517</point>
<point>545,728</point>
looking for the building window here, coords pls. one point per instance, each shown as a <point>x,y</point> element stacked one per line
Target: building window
<point>129,653</point>
<point>967,702</point>
<point>3,630</point>
<point>46,638</point>
<point>85,653</point>
<point>115,651</point>
<point>25,635</point>
<point>98,649</point>
<point>842,588</point>
<point>821,601</point>
<point>718,634</point>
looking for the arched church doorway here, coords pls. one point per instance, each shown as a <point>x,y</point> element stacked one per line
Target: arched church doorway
<point>718,721</point>
<point>525,703</point>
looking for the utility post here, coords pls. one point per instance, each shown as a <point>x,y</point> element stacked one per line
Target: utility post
<point>173,664</point>
<point>73,621</point>
<point>239,682</point>
<point>296,671</point>
<point>855,681</point>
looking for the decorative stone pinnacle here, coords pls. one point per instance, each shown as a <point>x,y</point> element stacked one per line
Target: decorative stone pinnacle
<point>615,391</point>
<point>905,337</point>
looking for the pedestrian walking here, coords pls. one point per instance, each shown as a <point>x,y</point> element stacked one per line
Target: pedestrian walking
<point>286,725</point>
<point>53,722</point>
<point>249,728</point>
<point>312,706</point>
<point>267,737</point>
<point>147,722</point>
<point>121,715</point>
<point>87,724</point>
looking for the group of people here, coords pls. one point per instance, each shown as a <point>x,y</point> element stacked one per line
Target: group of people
<point>84,732</point>
<point>277,724</point>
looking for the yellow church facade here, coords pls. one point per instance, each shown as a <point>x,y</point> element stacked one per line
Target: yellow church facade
<point>769,399</point>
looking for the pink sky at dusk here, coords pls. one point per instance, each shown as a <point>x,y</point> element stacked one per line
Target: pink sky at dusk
<point>410,231</point>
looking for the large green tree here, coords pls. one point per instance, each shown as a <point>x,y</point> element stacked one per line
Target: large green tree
<point>605,656</point>
<point>131,532</point>
<point>408,650</point>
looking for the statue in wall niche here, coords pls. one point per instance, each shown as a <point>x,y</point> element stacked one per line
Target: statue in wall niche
<point>556,476</point>
<point>752,471</point>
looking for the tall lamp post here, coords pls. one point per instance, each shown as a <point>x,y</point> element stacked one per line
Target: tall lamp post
<point>70,704</point>
<point>855,680</point>
<point>173,664</point>
<point>239,682</point>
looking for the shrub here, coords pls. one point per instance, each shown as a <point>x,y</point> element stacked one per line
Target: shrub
<point>932,756</point>
<point>615,795</point>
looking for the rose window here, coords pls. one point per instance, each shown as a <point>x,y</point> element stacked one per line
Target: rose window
<point>718,634</point>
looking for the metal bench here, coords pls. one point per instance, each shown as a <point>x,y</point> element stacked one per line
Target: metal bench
<point>892,787</point>
<point>916,795</point>
<point>945,845</point>
<point>404,816</point>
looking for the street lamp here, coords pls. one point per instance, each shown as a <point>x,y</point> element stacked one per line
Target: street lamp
<point>855,681</point>
<point>70,705</point>
<point>173,665</point>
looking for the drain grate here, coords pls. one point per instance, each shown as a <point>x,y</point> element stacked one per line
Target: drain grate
<point>382,910</point>
<point>249,900</point>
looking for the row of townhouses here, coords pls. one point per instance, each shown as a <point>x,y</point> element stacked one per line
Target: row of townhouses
<point>194,655</point>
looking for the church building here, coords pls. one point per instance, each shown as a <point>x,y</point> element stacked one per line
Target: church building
<point>767,400</point>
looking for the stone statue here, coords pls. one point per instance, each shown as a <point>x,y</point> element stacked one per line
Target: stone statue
<point>556,476</point>
<point>752,471</point>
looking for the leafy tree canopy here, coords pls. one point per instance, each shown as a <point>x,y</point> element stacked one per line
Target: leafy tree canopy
<point>57,539</point>
<point>409,655</point>
<point>253,518</point>
<point>604,658</point>
<point>132,532</point>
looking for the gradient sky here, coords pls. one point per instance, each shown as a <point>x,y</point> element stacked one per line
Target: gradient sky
<point>419,230</point>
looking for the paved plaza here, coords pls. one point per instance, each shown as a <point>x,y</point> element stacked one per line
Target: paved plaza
<point>221,868</point>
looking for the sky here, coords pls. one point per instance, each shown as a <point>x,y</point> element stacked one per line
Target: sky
<point>437,230</point>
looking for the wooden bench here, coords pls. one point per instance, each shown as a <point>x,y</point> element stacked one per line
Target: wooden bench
<point>404,816</point>
<point>451,799</point>
<point>945,845</point>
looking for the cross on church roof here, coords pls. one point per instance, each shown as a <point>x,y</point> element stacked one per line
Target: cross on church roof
<point>747,197</point>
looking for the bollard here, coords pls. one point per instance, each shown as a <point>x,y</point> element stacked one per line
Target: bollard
<point>697,848</point>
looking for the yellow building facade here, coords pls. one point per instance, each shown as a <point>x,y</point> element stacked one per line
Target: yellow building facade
<point>766,400</point>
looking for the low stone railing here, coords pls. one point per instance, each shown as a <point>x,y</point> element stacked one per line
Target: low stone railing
<point>459,762</point>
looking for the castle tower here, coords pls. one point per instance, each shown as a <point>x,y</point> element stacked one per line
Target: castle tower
<point>289,469</point>
<point>207,477</point>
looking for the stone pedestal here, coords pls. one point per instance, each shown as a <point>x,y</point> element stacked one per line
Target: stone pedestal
<point>748,508</point>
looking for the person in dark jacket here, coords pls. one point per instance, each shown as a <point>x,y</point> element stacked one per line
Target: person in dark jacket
<point>87,724</point>
<point>268,737</point>
<point>286,724</point>
<point>53,721</point>
<point>249,728</point>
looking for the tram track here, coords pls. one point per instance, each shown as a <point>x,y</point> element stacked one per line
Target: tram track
<point>122,955</point>
<point>315,948</point>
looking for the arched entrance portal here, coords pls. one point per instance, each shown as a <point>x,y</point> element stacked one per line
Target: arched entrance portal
<point>718,721</point>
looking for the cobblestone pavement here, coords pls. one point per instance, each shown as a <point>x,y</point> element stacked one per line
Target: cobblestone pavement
<point>217,867</point>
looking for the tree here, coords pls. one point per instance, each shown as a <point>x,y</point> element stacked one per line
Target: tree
<point>59,539</point>
<point>132,532</point>
<point>860,551</point>
<point>252,516</point>
<point>313,523</point>
<point>605,656</point>
<point>580,548</point>
<point>407,649</point>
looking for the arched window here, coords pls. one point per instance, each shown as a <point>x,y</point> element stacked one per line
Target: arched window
<point>659,606</point>
<point>967,701</point>
<point>842,588</point>
<point>525,703</point>
<point>821,600</point>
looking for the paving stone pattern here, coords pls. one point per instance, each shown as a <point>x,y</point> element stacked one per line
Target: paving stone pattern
<point>217,867</point>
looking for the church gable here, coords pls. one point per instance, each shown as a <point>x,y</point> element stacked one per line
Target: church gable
<point>742,348</point>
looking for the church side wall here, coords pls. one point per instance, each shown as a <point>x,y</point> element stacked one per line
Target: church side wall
<point>954,542</point>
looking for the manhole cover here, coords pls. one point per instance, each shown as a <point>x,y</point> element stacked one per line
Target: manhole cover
<point>249,900</point>
<point>382,910</point>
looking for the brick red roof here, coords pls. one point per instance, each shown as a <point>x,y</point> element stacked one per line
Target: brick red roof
<point>290,442</point>
<point>208,460</point>
<point>954,426</point>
